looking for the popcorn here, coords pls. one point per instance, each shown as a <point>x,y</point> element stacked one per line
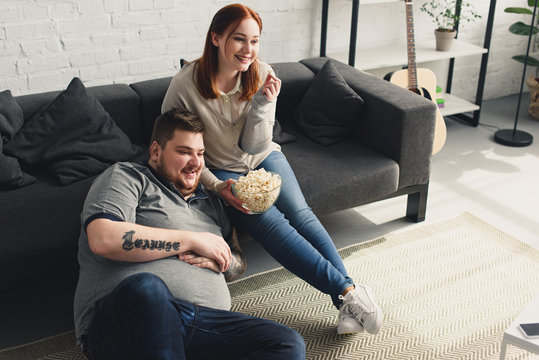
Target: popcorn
<point>258,190</point>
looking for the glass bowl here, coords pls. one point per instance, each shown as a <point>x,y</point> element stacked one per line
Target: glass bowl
<point>258,193</point>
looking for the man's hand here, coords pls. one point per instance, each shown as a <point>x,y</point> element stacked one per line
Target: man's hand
<point>212,247</point>
<point>228,196</point>
<point>271,87</point>
<point>238,264</point>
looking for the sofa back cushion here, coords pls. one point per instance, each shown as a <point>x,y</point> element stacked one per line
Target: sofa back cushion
<point>296,79</point>
<point>151,93</point>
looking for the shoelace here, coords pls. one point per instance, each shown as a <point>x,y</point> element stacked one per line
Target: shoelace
<point>353,308</point>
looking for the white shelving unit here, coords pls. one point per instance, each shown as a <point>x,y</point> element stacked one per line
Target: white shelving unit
<point>365,2</point>
<point>395,55</point>
<point>455,105</point>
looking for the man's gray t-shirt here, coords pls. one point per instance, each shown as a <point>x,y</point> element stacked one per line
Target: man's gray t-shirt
<point>135,193</point>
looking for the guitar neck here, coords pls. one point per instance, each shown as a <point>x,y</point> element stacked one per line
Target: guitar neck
<point>412,72</point>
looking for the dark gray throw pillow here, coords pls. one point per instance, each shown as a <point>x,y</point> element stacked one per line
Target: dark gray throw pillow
<point>73,137</point>
<point>329,109</point>
<point>11,120</point>
<point>11,175</point>
<point>11,116</point>
<point>280,136</point>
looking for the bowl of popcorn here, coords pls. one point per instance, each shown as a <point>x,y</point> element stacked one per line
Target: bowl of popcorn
<point>258,190</point>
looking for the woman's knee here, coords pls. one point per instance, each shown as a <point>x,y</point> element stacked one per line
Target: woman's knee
<point>272,225</point>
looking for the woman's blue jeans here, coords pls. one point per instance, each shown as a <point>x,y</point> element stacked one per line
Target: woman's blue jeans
<point>292,234</point>
<point>140,319</point>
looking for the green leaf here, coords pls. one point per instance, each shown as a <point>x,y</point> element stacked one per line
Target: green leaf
<point>531,3</point>
<point>519,28</point>
<point>518,10</point>
<point>522,59</point>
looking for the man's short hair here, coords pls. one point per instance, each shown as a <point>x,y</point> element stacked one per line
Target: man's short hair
<point>172,120</point>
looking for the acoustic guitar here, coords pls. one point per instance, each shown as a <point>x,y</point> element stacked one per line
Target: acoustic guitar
<point>410,78</point>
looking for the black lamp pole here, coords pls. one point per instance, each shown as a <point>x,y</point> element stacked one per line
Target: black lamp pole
<point>517,137</point>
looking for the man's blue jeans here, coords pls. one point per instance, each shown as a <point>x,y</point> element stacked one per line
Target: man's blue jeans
<point>292,234</point>
<point>140,319</point>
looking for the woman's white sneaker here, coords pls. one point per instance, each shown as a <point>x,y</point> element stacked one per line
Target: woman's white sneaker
<point>359,304</point>
<point>347,321</point>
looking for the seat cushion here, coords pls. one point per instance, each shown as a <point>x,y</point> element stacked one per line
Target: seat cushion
<point>40,230</point>
<point>340,176</point>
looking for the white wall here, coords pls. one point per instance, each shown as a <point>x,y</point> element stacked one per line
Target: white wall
<point>45,43</point>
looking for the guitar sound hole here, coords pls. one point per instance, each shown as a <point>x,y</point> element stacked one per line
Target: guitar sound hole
<point>422,92</point>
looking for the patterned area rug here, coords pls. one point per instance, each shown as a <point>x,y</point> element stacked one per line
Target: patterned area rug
<point>448,290</point>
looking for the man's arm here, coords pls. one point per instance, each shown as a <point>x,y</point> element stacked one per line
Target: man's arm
<point>238,264</point>
<point>131,242</point>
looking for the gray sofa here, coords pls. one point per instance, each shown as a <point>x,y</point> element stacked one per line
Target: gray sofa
<point>386,154</point>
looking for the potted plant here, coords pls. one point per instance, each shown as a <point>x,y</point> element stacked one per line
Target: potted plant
<point>444,15</point>
<point>520,28</point>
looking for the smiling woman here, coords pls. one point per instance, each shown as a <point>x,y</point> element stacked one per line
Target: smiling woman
<point>237,51</point>
<point>233,35</point>
<point>235,95</point>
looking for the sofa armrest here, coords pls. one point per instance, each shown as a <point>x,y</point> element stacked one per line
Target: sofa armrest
<point>394,122</point>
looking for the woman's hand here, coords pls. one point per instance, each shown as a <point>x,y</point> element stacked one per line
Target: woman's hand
<point>199,261</point>
<point>271,87</point>
<point>226,194</point>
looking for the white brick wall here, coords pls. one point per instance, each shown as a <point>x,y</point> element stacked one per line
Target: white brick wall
<point>43,44</point>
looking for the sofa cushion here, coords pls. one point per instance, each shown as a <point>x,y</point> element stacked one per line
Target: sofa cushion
<point>11,120</point>
<point>296,79</point>
<point>73,137</point>
<point>44,225</point>
<point>151,94</point>
<point>330,108</point>
<point>119,100</point>
<point>340,176</point>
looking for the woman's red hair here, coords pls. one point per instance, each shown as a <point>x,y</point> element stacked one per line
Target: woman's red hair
<point>225,20</point>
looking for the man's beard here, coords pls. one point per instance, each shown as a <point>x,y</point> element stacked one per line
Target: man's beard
<point>179,184</point>
<point>184,190</point>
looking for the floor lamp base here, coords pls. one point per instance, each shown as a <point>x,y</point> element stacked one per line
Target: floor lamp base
<point>513,137</point>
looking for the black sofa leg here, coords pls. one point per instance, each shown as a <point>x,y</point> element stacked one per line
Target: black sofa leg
<point>416,206</point>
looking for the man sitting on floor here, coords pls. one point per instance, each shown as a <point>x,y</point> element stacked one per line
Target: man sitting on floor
<point>155,250</point>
